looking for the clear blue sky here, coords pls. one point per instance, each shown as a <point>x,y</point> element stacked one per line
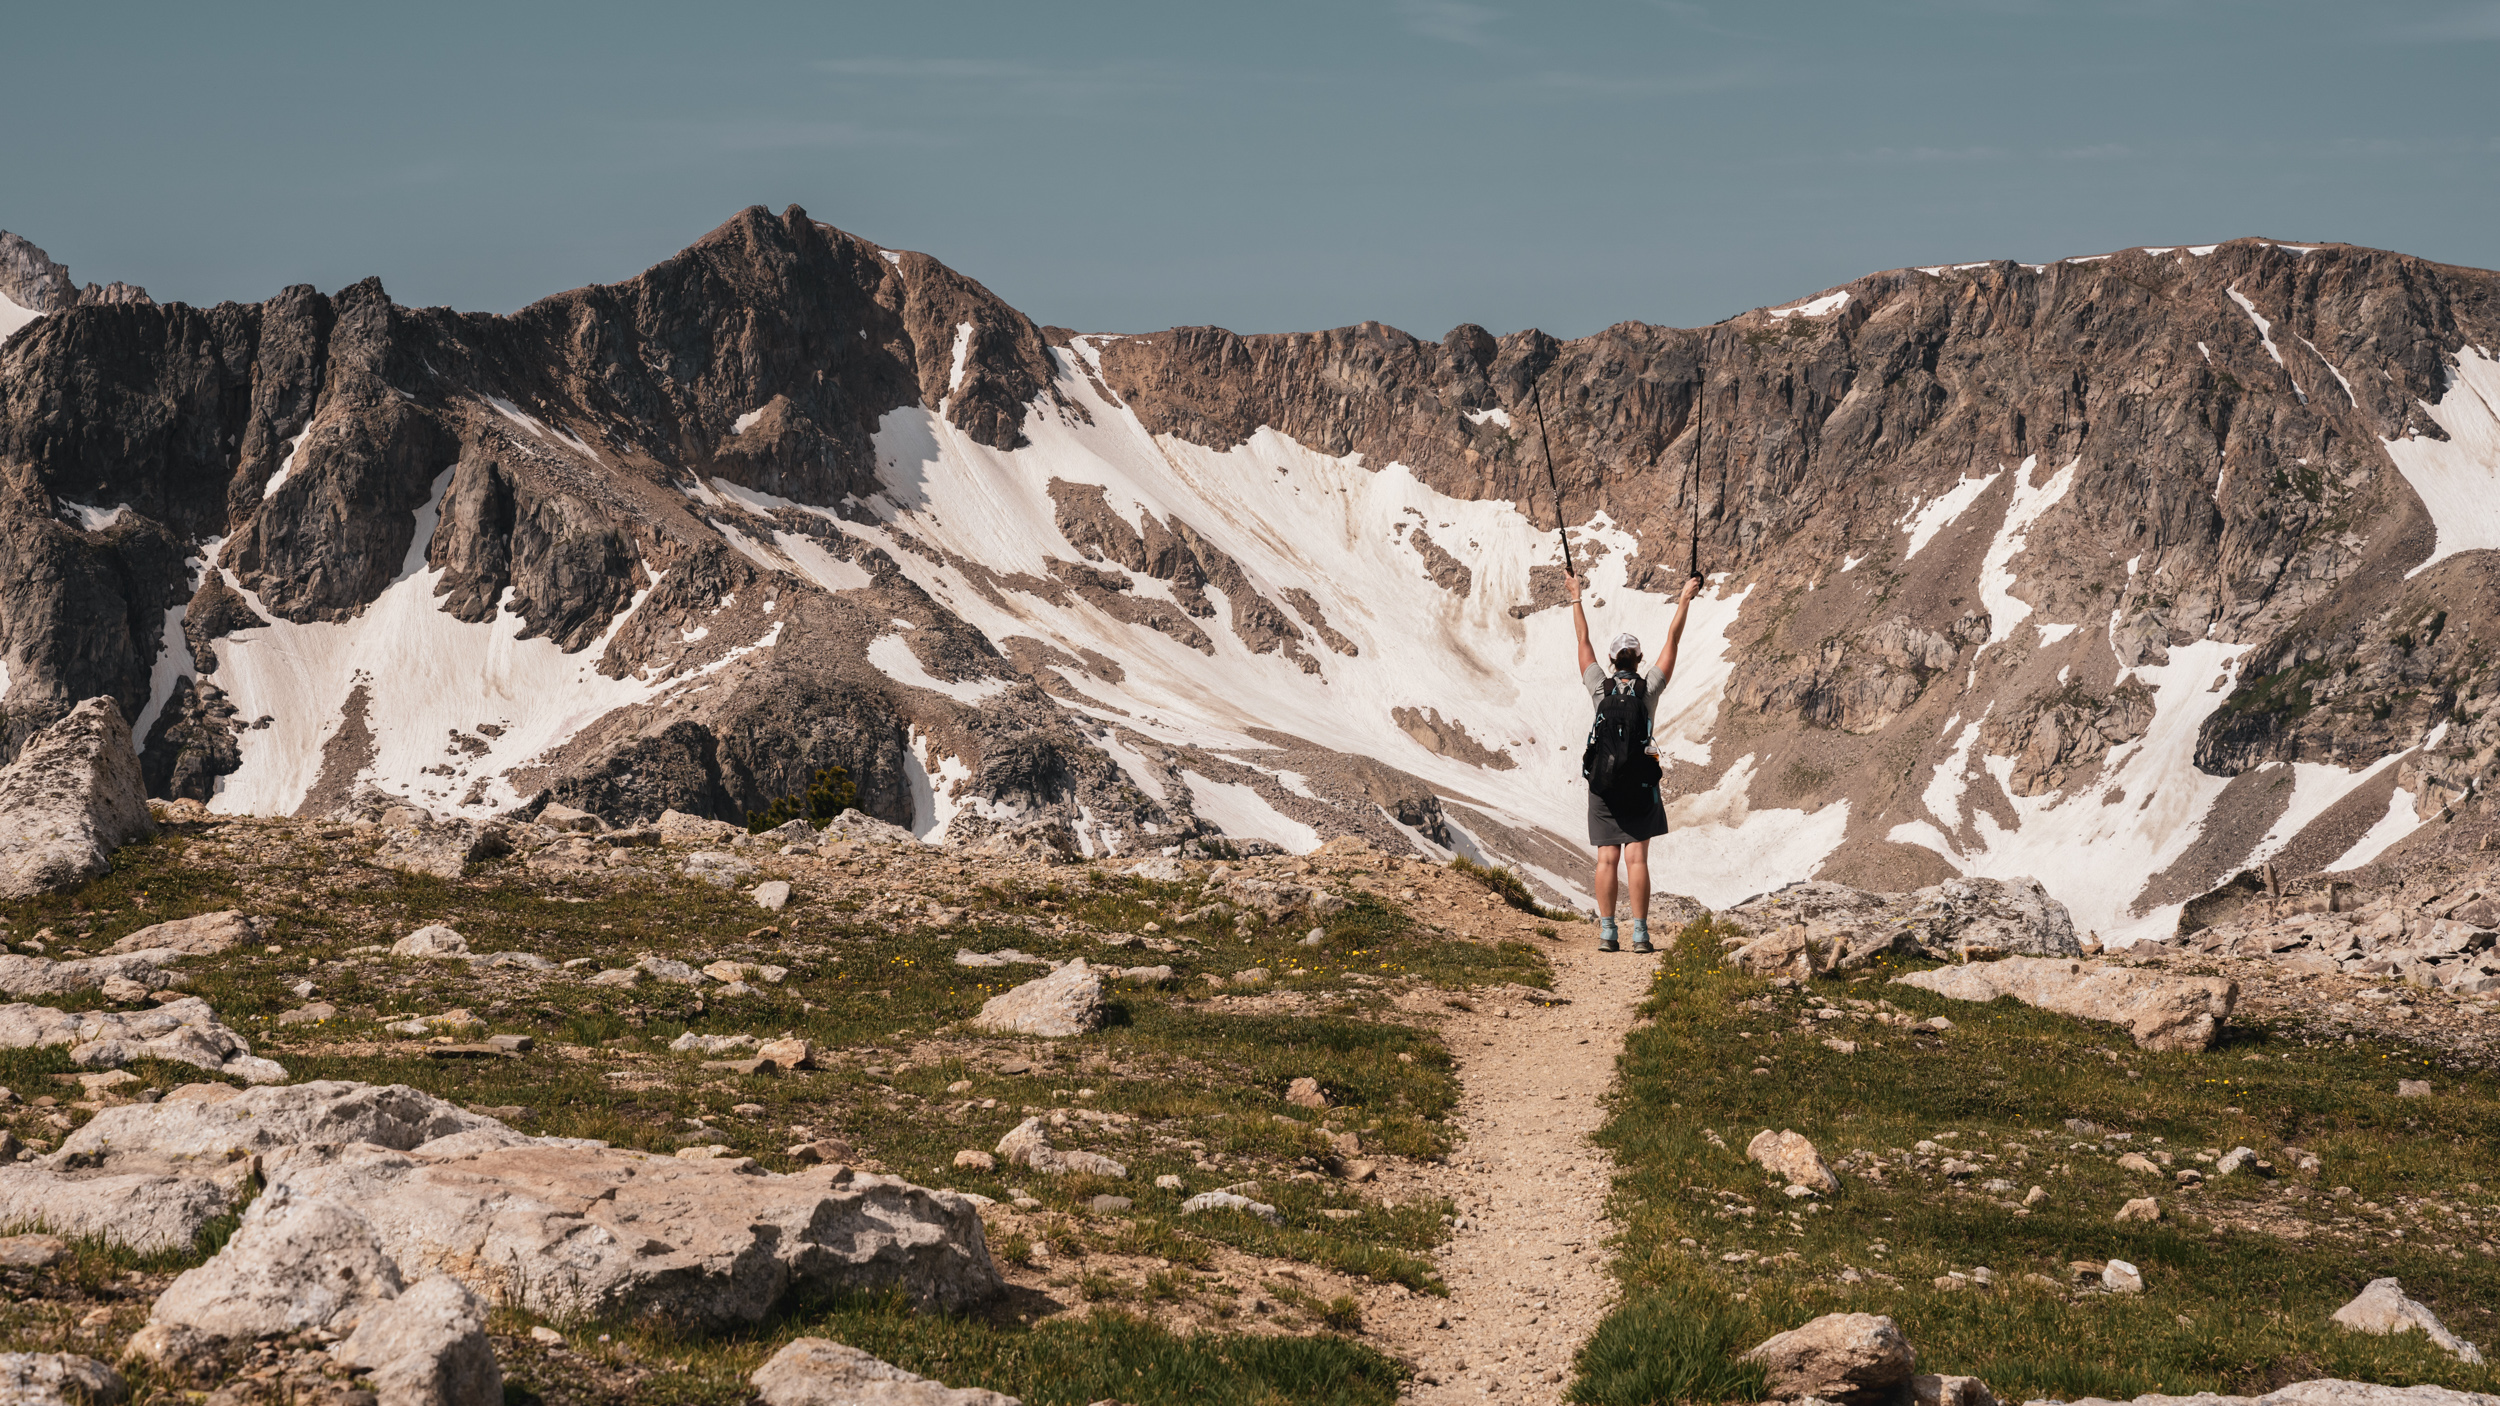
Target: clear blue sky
<point>1270,166</point>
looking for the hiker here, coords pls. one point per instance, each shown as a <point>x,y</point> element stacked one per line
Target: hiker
<point>1625,813</point>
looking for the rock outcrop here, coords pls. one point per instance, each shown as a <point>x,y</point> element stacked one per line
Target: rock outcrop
<point>1814,925</point>
<point>2383,1307</point>
<point>822,1372</point>
<point>1065,1003</point>
<point>2162,1012</point>
<point>72,797</point>
<point>1794,1160</point>
<point>183,1031</point>
<point>1841,1357</point>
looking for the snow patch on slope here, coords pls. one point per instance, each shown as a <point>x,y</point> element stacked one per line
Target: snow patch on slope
<point>2398,822</point>
<point>1996,570</point>
<point>2458,479</point>
<point>426,675</point>
<point>1244,814</point>
<point>1923,522</point>
<point>893,657</point>
<point>13,316</point>
<point>2094,848</point>
<point>1814,307</point>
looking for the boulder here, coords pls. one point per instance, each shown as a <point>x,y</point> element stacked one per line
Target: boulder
<point>427,1347</point>
<point>772,895</point>
<point>214,1124</point>
<point>1066,1002</point>
<point>585,1232</point>
<point>432,940</point>
<point>556,815</point>
<point>184,1032</point>
<point>678,828</point>
<point>1028,1145</point>
<point>1160,869</point>
<point>1792,1159</point>
<point>822,1372</point>
<point>1276,898</point>
<point>59,1379</point>
<point>1850,928</point>
<point>2329,1392</point>
<point>73,796</point>
<point>860,827</point>
<point>2120,1277</point>
<point>2142,1209</point>
<point>2383,1308</point>
<point>1930,1389</point>
<point>1847,1357</point>
<point>203,936</point>
<point>1230,1201</point>
<point>296,1262</point>
<point>1790,952</point>
<point>443,849</point>
<point>1306,1093</point>
<point>716,867</point>
<point>2162,1012</point>
<point>141,1210</point>
<point>1041,841</point>
<point>39,976</point>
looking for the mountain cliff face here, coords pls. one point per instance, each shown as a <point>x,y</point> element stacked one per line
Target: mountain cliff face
<point>2129,572</point>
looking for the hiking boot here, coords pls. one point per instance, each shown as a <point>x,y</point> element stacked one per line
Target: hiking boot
<point>1608,944</point>
<point>1643,948</point>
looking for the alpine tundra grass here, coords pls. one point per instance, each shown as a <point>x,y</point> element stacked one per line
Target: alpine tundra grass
<point>2241,1272</point>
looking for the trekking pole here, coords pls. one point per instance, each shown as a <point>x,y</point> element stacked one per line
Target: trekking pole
<point>1537,398</point>
<point>1701,402</point>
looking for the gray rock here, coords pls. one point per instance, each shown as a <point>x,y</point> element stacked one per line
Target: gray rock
<point>677,827</point>
<point>73,796</point>
<point>2233,1160</point>
<point>1027,1144</point>
<point>1839,1356</point>
<point>1004,956</point>
<point>203,936</point>
<point>146,1211</point>
<point>1930,1389</point>
<point>1161,869</point>
<point>59,1379</point>
<point>2120,1277</point>
<point>427,1347</point>
<point>772,896</point>
<point>1849,928</point>
<point>822,1372</point>
<point>432,940</point>
<point>2329,1392</point>
<point>578,1232</point>
<point>1206,1201</point>
<point>184,1031</point>
<point>1066,1002</point>
<point>673,972</point>
<point>213,1124</point>
<point>555,815</point>
<point>1793,1159</point>
<point>443,849</point>
<point>716,868</point>
<point>38,976</point>
<point>860,827</point>
<point>296,1262</point>
<point>617,976</point>
<point>711,1044</point>
<point>527,961</point>
<point>2382,1307</point>
<point>2162,1012</point>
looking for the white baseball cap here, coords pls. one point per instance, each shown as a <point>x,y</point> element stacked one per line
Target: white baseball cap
<point>1622,643</point>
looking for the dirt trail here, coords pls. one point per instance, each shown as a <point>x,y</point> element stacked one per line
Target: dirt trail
<point>1527,1274</point>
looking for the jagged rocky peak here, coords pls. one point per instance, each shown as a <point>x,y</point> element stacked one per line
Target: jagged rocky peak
<point>30,279</point>
<point>2127,571</point>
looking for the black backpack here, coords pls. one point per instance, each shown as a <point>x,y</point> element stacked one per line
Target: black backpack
<point>1617,757</point>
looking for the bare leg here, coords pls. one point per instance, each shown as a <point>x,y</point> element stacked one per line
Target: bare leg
<point>1605,885</point>
<point>1636,868</point>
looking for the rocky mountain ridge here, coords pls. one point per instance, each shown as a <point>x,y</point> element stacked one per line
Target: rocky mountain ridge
<point>2131,571</point>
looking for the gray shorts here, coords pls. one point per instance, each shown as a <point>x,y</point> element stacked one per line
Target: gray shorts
<point>1628,818</point>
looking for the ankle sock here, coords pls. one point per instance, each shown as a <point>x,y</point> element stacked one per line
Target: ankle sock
<point>1605,929</point>
<point>1640,932</point>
